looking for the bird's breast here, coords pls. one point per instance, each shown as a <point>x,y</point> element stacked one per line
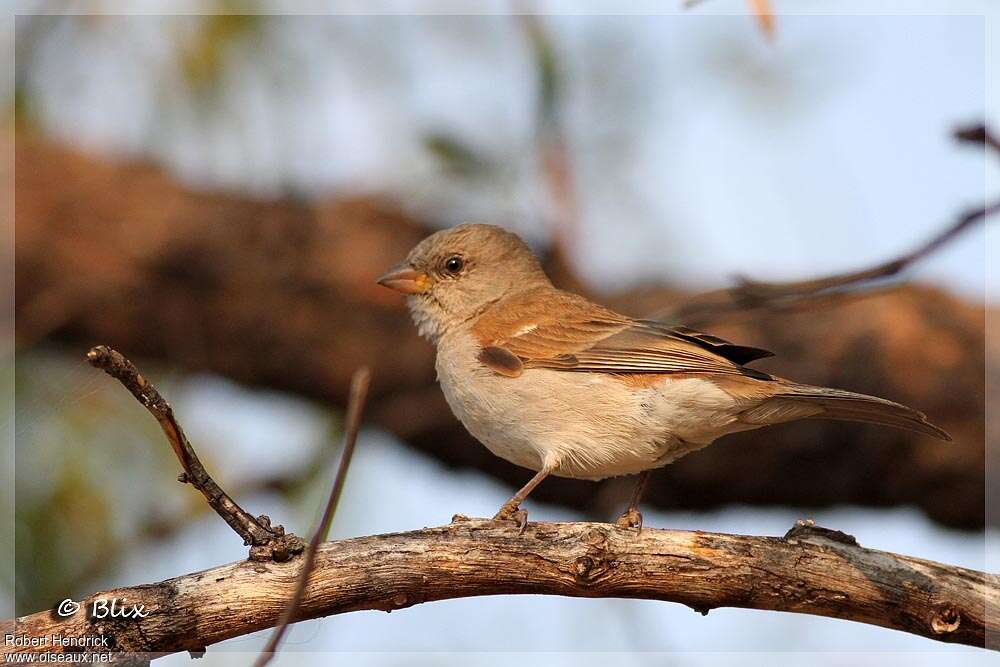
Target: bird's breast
<point>592,425</point>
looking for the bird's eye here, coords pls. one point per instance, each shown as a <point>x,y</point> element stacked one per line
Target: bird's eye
<point>454,265</point>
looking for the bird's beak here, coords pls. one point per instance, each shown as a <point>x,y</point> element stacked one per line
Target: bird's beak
<point>406,280</point>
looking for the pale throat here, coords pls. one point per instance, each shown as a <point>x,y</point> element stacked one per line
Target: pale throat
<point>433,320</point>
<point>427,316</point>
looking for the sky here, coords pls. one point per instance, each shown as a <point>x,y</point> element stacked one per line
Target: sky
<point>699,149</point>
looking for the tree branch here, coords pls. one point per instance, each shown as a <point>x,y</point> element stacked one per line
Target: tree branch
<point>750,294</point>
<point>359,390</point>
<point>810,571</point>
<point>265,541</point>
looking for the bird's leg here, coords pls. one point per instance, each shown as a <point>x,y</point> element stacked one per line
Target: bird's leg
<point>512,510</point>
<point>632,518</point>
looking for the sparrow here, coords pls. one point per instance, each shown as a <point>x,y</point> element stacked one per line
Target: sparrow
<point>557,384</point>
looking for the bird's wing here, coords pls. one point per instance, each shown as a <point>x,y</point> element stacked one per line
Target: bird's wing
<point>562,331</point>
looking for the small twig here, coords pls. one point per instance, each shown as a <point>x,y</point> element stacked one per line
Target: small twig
<point>266,541</point>
<point>355,405</point>
<point>753,291</point>
<point>978,134</point>
<point>752,294</point>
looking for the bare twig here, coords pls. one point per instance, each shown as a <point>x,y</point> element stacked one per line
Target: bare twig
<point>355,405</point>
<point>755,291</point>
<point>978,134</point>
<point>809,571</point>
<point>753,294</point>
<point>266,541</point>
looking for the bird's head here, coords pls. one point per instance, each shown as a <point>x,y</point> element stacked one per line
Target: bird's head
<point>454,275</point>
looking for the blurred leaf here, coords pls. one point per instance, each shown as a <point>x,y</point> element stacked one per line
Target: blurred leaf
<point>456,157</point>
<point>765,17</point>
<point>761,9</point>
<point>83,484</point>
<point>62,539</point>
<point>545,62</point>
<point>203,58</point>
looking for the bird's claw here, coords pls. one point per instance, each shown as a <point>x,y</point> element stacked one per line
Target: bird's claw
<point>515,514</point>
<point>630,520</point>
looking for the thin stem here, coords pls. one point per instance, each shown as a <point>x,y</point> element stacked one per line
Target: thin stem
<point>355,405</point>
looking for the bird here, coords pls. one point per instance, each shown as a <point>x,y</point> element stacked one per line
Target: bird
<point>552,382</point>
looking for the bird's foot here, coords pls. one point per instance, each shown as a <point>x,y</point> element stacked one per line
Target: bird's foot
<point>512,512</point>
<point>630,520</point>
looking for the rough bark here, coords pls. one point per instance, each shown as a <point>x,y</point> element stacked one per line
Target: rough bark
<point>810,571</point>
<point>281,294</point>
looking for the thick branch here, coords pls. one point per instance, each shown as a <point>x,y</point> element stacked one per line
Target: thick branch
<point>810,571</point>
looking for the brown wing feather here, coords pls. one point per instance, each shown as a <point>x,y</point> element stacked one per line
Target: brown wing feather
<point>563,331</point>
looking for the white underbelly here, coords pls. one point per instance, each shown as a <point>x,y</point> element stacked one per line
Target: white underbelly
<point>588,425</point>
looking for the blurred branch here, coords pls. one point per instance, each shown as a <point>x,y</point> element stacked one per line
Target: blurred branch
<point>551,144</point>
<point>810,571</point>
<point>281,294</point>
<point>265,541</point>
<point>355,404</point>
<point>752,294</point>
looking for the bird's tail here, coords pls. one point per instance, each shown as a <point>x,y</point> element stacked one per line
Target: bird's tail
<point>801,401</point>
